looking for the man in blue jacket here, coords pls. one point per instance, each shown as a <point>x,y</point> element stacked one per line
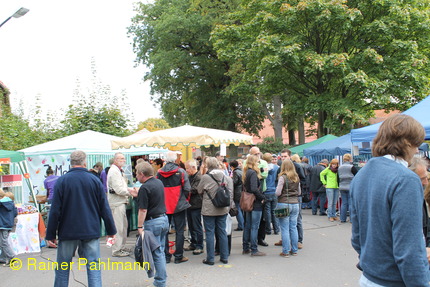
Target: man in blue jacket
<point>386,211</point>
<point>78,206</point>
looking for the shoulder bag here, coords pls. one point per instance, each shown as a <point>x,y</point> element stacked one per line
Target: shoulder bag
<point>283,211</point>
<point>246,200</point>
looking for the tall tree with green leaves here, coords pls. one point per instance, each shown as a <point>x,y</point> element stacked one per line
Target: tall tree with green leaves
<point>172,38</point>
<point>332,61</point>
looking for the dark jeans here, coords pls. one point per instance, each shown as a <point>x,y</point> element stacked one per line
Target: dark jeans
<point>179,221</point>
<point>239,217</point>
<point>269,213</point>
<point>194,217</point>
<point>322,197</point>
<point>299,221</point>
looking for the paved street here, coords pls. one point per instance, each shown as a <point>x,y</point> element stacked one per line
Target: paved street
<point>327,259</point>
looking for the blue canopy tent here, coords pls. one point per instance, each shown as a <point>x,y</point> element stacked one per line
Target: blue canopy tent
<point>420,112</point>
<point>331,149</point>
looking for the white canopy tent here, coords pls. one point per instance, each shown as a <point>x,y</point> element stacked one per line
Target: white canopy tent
<point>56,154</point>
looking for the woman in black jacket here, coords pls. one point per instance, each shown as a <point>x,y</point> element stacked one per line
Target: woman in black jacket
<point>251,181</point>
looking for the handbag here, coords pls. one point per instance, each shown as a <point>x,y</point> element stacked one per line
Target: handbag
<point>283,211</point>
<point>246,200</point>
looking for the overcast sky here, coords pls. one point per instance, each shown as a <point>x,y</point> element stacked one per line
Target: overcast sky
<point>45,51</point>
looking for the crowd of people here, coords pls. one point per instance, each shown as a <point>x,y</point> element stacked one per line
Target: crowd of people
<point>384,201</point>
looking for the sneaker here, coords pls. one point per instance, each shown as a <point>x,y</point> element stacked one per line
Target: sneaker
<point>125,249</point>
<point>189,248</point>
<point>121,254</point>
<point>293,253</point>
<point>282,254</point>
<point>183,259</point>
<point>244,252</point>
<point>262,243</point>
<point>300,245</point>
<point>258,253</point>
<point>279,243</point>
<point>198,251</point>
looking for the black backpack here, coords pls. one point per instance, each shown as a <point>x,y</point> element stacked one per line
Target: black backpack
<point>222,196</point>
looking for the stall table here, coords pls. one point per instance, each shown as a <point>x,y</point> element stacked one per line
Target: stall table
<point>30,228</point>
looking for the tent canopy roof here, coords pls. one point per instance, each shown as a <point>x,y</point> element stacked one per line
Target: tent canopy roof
<point>335,147</point>
<point>183,136</point>
<point>420,112</point>
<point>15,156</point>
<point>87,141</point>
<point>299,149</point>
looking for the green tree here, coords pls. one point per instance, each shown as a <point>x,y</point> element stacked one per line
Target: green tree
<point>271,145</point>
<point>332,61</point>
<point>172,38</point>
<point>153,124</point>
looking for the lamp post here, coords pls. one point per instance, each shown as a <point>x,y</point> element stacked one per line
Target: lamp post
<point>21,12</point>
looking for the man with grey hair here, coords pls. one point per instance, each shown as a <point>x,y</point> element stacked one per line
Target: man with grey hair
<point>118,198</point>
<point>152,216</point>
<point>194,212</point>
<point>79,204</point>
<point>176,190</point>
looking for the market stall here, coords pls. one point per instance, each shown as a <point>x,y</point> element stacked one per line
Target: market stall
<point>184,137</point>
<point>56,154</point>
<point>30,230</point>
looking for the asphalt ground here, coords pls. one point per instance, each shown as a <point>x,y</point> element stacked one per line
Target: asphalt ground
<point>327,259</point>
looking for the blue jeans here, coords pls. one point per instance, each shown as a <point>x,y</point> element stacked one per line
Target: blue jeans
<point>239,216</point>
<point>250,233</point>
<point>323,198</point>
<point>364,282</point>
<point>346,204</point>
<point>195,226</point>
<point>299,221</point>
<point>269,212</point>
<point>88,250</point>
<point>289,234</point>
<point>218,222</point>
<point>332,197</point>
<point>160,228</point>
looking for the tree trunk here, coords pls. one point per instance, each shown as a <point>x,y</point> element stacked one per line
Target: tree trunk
<point>277,118</point>
<point>302,138</point>
<point>291,137</point>
<point>322,115</point>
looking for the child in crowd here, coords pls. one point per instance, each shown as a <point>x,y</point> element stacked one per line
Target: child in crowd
<point>8,212</point>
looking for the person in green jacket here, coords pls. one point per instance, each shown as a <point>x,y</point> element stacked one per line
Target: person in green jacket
<point>329,179</point>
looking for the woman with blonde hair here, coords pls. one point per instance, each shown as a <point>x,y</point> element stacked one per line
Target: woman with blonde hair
<point>288,192</point>
<point>251,181</point>
<point>329,179</point>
